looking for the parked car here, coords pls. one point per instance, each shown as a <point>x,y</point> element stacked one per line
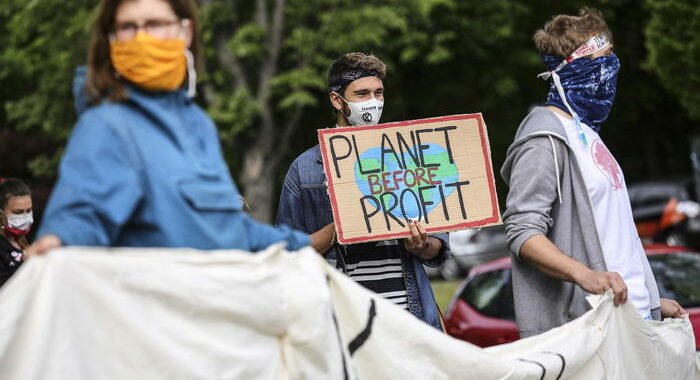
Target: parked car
<point>471,248</point>
<point>481,311</point>
<point>666,212</point>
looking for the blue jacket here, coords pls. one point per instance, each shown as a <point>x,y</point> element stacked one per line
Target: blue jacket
<point>304,205</point>
<point>149,172</point>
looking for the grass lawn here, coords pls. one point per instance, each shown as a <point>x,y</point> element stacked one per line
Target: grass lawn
<point>443,292</point>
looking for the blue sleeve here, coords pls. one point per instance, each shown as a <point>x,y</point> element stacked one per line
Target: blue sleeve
<point>444,251</point>
<point>263,235</point>
<point>289,211</point>
<point>98,186</point>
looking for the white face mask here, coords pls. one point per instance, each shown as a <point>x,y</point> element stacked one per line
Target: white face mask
<point>21,222</point>
<point>364,113</point>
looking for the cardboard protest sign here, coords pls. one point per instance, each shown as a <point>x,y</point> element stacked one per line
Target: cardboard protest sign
<point>436,170</point>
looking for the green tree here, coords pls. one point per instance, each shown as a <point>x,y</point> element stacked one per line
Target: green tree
<point>42,43</point>
<point>673,42</point>
<point>267,64</point>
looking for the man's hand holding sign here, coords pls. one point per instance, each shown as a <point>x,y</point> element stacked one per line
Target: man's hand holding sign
<point>419,243</point>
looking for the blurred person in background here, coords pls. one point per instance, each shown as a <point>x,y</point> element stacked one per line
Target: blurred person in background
<point>16,219</point>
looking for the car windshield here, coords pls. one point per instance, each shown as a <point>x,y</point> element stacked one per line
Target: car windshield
<point>491,294</point>
<point>678,276</point>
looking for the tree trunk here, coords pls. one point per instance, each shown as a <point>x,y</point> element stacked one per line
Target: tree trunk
<point>259,185</point>
<point>265,153</point>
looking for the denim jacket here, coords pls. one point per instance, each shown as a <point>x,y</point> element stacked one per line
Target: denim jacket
<point>304,205</point>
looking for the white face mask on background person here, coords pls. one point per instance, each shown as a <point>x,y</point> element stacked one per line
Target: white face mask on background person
<point>19,224</point>
<point>364,113</point>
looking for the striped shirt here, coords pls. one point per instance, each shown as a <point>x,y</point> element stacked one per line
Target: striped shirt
<point>377,267</point>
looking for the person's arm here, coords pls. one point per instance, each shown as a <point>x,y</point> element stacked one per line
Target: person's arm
<point>263,235</point>
<point>442,239</point>
<point>546,257</point>
<point>98,188</point>
<point>291,213</point>
<point>42,245</point>
<point>532,192</point>
<point>323,239</point>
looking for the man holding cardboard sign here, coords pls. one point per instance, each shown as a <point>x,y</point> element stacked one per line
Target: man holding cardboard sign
<point>392,268</point>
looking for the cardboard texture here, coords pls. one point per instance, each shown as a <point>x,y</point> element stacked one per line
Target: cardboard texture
<point>437,170</point>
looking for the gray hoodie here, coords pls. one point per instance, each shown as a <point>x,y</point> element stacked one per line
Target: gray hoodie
<point>548,196</point>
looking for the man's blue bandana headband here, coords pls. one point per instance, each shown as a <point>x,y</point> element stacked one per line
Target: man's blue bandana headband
<point>584,87</point>
<point>350,77</point>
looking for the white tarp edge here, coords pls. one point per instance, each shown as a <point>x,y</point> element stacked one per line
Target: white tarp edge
<point>93,313</point>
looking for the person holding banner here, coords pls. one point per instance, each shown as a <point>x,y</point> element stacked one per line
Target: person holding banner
<point>393,269</point>
<point>568,218</point>
<point>143,166</point>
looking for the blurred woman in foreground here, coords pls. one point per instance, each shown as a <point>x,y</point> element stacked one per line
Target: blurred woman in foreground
<point>143,166</point>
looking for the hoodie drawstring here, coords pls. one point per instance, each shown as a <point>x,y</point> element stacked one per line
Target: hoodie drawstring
<point>562,95</point>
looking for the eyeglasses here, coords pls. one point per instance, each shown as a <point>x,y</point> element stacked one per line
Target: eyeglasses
<point>159,28</point>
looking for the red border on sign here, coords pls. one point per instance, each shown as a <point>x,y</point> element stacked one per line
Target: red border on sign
<point>487,161</point>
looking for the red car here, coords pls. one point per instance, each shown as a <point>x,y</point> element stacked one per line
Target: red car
<point>481,311</point>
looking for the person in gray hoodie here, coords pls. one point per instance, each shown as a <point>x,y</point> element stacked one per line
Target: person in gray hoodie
<point>568,217</point>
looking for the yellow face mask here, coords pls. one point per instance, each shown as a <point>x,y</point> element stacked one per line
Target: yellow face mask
<point>150,63</point>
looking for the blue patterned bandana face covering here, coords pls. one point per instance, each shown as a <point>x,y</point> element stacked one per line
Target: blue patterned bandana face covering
<point>589,86</point>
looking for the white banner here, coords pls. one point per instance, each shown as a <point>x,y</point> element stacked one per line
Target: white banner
<point>89,313</point>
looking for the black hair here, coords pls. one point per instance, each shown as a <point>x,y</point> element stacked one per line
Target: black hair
<point>12,187</point>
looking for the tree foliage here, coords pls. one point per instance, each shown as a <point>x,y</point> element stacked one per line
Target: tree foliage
<point>267,65</point>
<point>42,43</point>
<point>266,61</point>
<point>673,42</point>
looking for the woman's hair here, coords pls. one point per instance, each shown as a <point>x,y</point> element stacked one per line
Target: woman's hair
<point>102,81</point>
<point>12,187</point>
<point>563,34</point>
